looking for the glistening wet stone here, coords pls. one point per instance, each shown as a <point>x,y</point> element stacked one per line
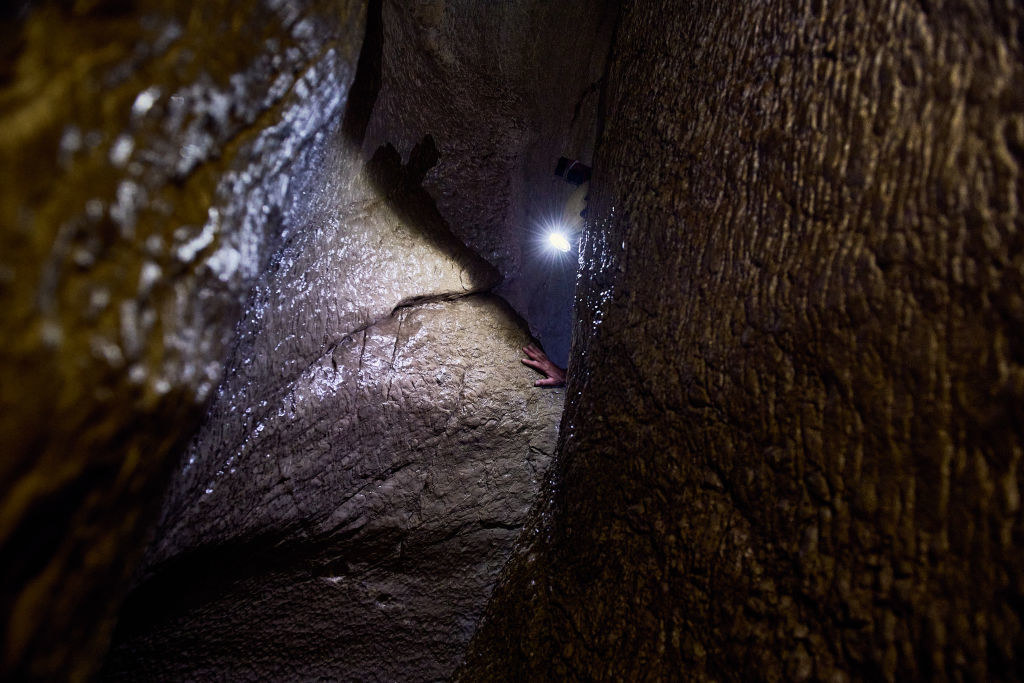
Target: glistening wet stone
<point>187,186</point>
<point>153,156</point>
<point>366,463</point>
<point>364,514</point>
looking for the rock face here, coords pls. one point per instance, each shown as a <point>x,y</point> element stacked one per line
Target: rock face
<point>374,417</point>
<point>187,184</point>
<point>505,89</point>
<point>153,156</point>
<point>356,527</point>
<point>249,264</point>
<point>792,447</point>
<point>367,463</point>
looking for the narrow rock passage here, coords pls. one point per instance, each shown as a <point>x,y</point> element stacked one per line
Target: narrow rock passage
<point>199,271</point>
<point>367,463</point>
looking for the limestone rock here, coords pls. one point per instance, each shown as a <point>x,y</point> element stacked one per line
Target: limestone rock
<point>153,154</point>
<point>505,89</point>
<point>792,445</point>
<point>187,183</point>
<point>357,529</point>
<point>363,472</point>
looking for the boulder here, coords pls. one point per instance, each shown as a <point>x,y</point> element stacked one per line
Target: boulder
<point>365,466</point>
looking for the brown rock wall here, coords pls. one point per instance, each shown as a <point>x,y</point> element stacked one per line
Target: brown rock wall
<point>353,530</point>
<point>184,185</point>
<point>792,447</point>
<point>152,154</point>
<point>365,465</point>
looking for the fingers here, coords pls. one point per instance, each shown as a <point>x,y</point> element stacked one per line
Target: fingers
<point>539,361</point>
<point>533,352</point>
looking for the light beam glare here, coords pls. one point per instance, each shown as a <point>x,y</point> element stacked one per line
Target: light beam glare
<point>558,241</point>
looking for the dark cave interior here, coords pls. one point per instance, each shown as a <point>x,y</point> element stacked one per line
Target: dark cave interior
<point>268,269</point>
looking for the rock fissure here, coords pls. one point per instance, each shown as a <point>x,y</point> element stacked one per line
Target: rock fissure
<point>394,355</point>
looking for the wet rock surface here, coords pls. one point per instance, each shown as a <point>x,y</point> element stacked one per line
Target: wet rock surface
<point>359,514</point>
<point>505,89</point>
<point>792,443</point>
<point>187,185</point>
<point>153,156</point>
<point>366,465</point>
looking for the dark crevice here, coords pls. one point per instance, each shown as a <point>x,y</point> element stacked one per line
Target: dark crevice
<point>362,96</point>
<point>596,86</point>
<point>602,96</point>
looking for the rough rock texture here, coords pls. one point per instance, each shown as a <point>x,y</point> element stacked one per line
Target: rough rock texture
<point>792,446</point>
<point>356,530</point>
<point>153,153</point>
<point>185,183</point>
<point>386,452</point>
<point>366,465</point>
<point>505,89</point>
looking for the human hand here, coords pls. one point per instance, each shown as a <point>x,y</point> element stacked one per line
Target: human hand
<point>538,360</point>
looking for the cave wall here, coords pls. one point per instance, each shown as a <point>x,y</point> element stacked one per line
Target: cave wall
<point>366,465</point>
<point>792,443</point>
<point>505,89</point>
<point>792,439</point>
<point>373,450</point>
<point>153,155</point>
<point>211,219</point>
